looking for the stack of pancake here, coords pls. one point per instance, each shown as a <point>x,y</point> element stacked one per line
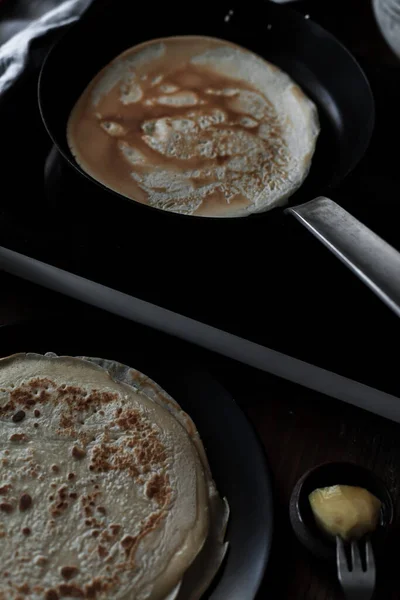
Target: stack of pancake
<point>105,488</point>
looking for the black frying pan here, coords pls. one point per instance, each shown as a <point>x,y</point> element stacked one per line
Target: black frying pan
<point>313,58</point>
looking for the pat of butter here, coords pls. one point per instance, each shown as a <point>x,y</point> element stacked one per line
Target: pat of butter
<point>345,510</point>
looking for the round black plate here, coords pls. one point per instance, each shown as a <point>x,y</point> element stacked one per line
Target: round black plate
<point>236,457</point>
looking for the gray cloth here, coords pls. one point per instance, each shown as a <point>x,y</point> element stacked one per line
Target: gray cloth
<point>22,22</point>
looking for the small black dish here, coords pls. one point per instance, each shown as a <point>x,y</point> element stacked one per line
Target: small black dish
<point>335,473</point>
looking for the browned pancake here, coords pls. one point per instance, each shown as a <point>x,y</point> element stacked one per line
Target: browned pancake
<point>195,125</point>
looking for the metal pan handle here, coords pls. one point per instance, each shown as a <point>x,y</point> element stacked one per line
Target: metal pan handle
<point>372,259</point>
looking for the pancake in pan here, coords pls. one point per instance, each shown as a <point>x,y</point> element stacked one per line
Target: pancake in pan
<point>195,125</point>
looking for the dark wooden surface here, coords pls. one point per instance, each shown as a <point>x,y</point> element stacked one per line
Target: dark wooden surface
<point>298,428</point>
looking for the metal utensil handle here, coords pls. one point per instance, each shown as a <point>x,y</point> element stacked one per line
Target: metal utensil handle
<point>372,259</point>
<point>196,332</point>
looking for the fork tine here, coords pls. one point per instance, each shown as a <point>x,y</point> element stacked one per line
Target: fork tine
<point>355,557</point>
<point>341,559</point>
<point>369,555</point>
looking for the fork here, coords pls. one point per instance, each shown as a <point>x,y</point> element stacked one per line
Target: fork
<point>356,579</point>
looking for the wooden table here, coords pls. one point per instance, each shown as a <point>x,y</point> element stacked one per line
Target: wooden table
<point>298,428</point>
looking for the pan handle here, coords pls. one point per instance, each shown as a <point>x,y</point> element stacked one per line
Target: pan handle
<point>372,259</point>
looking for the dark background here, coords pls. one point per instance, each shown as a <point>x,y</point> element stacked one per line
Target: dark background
<point>303,302</point>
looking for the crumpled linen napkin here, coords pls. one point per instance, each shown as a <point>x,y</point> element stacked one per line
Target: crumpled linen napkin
<point>24,21</point>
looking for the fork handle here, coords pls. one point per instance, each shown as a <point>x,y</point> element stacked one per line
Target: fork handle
<point>372,259</point>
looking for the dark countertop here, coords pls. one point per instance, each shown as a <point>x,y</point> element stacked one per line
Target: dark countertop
<point>298,428</point>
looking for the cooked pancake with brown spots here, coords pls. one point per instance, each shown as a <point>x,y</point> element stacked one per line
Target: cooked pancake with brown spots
<point>195,125</point>
<point>111,497</point>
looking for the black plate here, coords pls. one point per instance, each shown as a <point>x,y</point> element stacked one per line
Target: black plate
<point>236,457</point>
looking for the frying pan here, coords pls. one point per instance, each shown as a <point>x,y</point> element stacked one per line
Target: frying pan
<point>310,55</point>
